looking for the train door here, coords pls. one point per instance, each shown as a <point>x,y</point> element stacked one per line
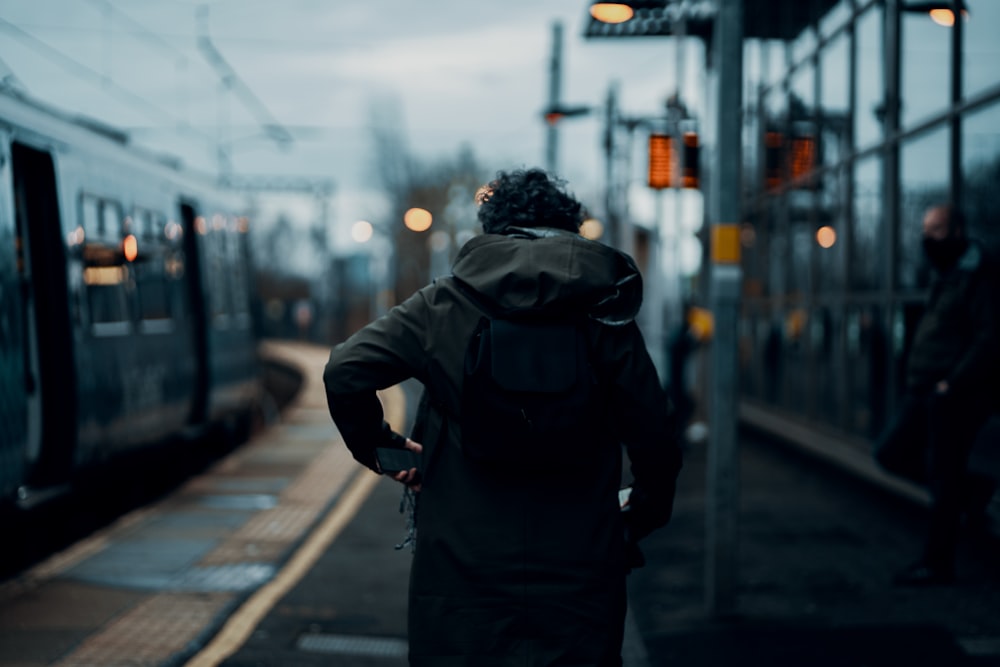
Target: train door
<point>13,406</point>
<point>49,363</point>
<point>198,320</point>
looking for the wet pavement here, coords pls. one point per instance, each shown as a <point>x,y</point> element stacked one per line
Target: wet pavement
<point>284,553</point>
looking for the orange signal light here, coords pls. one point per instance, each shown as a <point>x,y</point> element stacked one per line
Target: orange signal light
<point>803,157</point>
<point>661,161</point>
<point>130,247</point>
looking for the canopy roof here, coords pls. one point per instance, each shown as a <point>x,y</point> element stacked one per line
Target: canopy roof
<point>763,19</point>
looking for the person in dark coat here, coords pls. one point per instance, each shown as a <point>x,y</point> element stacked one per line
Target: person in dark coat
<point>681,344</point>
<point>510,567</point>
<point>951,389</point>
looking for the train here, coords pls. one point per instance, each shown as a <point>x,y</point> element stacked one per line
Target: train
<point>125,302</point>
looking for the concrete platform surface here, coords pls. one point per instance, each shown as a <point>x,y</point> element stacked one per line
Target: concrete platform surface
<point>284,554</point>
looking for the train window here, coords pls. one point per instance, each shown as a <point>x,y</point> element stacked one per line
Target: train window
<point>105,273</point>
<point>143,225</point>
<point>149,269</point>
<point>151,284</point>
<point>90,215</point>
<point>221,269</point>
<point>107,297</point>
<point>111,223</point>
<point>238,274</point>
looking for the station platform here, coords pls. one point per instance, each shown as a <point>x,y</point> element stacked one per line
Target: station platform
<point>283,553</point>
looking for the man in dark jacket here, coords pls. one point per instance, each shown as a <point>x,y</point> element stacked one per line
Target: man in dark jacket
<point>512,567</point>
<point>951,389</point>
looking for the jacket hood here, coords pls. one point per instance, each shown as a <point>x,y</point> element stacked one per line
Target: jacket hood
<point>551,269</point>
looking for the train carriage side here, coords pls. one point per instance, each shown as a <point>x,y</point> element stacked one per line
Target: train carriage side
<point>132,314</point>
<point>107,359</point>
<point>217,236</point>
<point>107,286</point>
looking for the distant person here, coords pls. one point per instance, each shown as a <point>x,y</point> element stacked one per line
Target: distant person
<point>681,343</point>
<point>521,550</point>
<point>693,330</point>
<point>951,389</point>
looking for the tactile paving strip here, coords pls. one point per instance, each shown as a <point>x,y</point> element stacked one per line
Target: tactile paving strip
<point>231,577</point>
<point>245,551</point>
<point>324,477</point>
<point>193,557</point>
<point>156,629</point>
<point>281,524</point>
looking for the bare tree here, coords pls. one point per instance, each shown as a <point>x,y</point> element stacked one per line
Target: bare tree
<point>444,186</point>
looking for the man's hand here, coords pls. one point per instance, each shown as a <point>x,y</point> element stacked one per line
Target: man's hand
<point>408,476</point>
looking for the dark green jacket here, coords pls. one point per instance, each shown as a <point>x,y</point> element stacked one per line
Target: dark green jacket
<point>509,569</point>
<point>958,337</point>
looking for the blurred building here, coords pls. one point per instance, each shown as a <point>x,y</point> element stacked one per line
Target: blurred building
<point>856,121</point>
<point>857,116</point>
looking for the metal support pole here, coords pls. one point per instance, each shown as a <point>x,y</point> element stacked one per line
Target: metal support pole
<point>611,194</point>
<point>722,501</point>
<point>892,30</point>
<point>654,296</point>
<point>555,84</point>
<point>675,298</point>
<point>956,193</point>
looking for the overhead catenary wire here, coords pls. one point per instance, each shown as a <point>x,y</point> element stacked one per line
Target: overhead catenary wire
<point>84,72</point>
<point>232,80</point>
<point>154,39</point>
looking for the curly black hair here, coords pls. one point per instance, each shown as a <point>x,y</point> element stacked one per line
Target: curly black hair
<point>527,198</point>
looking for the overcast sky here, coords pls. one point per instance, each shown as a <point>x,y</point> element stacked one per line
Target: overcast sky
<point>451,71</point>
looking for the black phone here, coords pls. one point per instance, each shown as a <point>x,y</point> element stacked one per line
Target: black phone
<point>392,460</point>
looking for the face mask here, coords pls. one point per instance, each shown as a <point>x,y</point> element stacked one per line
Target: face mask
<point>943,253</point>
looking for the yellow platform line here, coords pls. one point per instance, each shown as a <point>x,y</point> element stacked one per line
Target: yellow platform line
<point>242,623</point>
<point>238,628</point>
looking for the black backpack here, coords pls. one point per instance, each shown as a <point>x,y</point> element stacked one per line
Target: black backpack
<point>531,398</point>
